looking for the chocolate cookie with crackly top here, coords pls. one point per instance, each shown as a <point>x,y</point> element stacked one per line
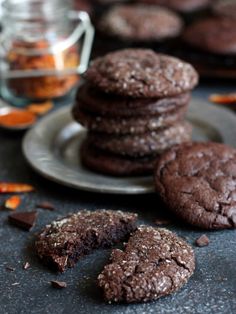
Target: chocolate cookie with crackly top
<point>151,143</point>
<point>115,165</point>
<point>62,243</point>
<point>154,263</point>
<point>141,73</point>
<point>197,182</point>
<point>129,125</point>
<point>140,23</point>
<point>90,99</point>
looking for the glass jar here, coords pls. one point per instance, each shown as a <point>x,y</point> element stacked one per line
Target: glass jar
<point>44,47</point>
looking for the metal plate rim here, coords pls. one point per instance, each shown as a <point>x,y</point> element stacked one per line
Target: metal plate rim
<point>32,135</point>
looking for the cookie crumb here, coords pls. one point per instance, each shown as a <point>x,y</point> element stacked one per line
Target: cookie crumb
<point>58,284</point>
<point>46,205</point>
<point>202,241</point>
<point>26,266</point>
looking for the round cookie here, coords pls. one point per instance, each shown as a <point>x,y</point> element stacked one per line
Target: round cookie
<point>132,125</point>
<point>94,101</point>
<point>147,144</point>
<point>215,35</point>
<point>141,73</point>
<point>139,22</point>
<point>197,182</point>
<point>225,8</point>
<point>183,6</point>
<point>154,263</point>
<point>114,165</point>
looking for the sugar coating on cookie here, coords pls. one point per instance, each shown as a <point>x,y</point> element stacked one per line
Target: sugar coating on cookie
<point>197,182</point>
<point>154,263</point>
<point>141,73</point>
<point>139,22</point>
<point>64,241</point>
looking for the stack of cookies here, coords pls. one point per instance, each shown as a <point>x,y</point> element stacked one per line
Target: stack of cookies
<point>133,103</point>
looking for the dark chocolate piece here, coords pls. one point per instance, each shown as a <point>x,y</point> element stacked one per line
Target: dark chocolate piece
<point>23,220</point>
<point>58,284</point>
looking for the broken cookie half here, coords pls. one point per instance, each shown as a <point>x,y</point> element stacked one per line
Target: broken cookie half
<point>154,263</point>
<point>64,241</point>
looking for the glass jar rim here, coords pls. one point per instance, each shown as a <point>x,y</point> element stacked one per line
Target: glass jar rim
<point>21,9</point>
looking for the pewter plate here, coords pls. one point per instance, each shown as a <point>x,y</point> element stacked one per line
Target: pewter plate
<point>52,148</point>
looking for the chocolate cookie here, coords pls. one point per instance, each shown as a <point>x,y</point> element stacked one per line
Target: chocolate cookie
<point>64,241</point>
<point>215,35</point>
<point>151,143</point>
<point>141,73</point>
<point>139,22</point>
<point>114,165</point>
<point>184,6</point>
<point>154,263</point>
<point>132,125</point>
<point>94,101</point>
<point>197,182</point>
<point>225,8</point>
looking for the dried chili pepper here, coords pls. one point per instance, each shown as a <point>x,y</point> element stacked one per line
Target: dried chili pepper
<point>41,108</point>
<point>12,202</point>
<point>18,118</point>
<point>224,99</point>
<point>15,187</point>
<point>43,87</point>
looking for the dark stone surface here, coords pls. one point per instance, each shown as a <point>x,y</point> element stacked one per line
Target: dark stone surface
<point>212,288</point>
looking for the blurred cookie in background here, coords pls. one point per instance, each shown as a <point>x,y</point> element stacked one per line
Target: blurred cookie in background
<point>139,25</point>
<point>210,44</point>
<point>225,8</point>
<point>83,5</point>
<point>183,6</point>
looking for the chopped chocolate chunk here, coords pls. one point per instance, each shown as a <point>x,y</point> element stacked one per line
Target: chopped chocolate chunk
<point>46,205</point>
<point>23,220</point>
<point>58,284</point>
<point>161,221</point>
<point>26,265</point>
<point>9,268</point>
<point>64,241</point>
<point>202,241</point>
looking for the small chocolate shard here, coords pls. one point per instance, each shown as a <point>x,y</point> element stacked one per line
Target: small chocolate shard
<point>162,221</point>
<point>202,241</point>
<point>9,268</point>
<point>23,220</point>
<point>26,266</point>
<point>46,205</point>
<point>58,284</point>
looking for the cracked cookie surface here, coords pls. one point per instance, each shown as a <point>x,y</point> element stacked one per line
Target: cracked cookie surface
<point>141,73</point>
<point>64,241</point>
<point>197,182</point>
<point>154,263</point>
